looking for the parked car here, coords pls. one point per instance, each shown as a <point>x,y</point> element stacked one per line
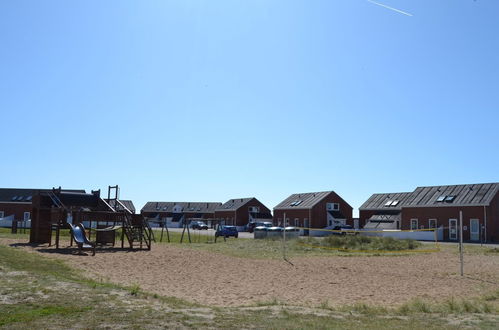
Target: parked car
<point>251,226</point>
<point>344,229</point>
<point>226,231</point>
<point>199,225</point>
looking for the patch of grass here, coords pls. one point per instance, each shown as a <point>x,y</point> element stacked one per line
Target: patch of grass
<point>21,313</point>
<point>360,242</point>
<point>134,289</point>
<point>450,306</point>
<point>272,248</point>
<point>492,251</point>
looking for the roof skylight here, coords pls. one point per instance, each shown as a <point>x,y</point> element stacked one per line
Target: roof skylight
<point>450,198</point>
<point>441,198</point>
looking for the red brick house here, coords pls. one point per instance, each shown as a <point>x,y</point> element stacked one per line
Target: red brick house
<point>241,211</point>
<point>439,206</point>
<point>175,213</point>
<point>313,210</point>
<point>15,204</point>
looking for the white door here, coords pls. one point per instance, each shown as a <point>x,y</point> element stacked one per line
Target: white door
<point>474,230</point>
<point>453,229</point>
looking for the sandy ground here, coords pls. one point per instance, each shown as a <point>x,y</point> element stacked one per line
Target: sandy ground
<point>221,280</point>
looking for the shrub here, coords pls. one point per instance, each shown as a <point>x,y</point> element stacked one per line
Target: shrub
<point>360,242</point>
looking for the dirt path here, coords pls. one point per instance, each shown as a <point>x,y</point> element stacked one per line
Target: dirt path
<point>221,280</point>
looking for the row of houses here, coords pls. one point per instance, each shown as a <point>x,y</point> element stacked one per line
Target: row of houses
<point>424,208</point>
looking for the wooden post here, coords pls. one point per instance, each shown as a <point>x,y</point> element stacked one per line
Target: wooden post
<point>461,242</point>
<point>284,238</point>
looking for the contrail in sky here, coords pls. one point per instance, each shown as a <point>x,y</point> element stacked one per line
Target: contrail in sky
<point>391,8</point>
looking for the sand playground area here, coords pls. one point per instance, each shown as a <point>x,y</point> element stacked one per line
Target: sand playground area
<point>221,280</point>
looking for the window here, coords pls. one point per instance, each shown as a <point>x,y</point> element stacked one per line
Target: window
<point>287,222</point>
<point>388,203</point>
<point>441,198</point>
<point>27,216</point>
<point>333,206</point>
<point>414,224</point>
<point>450,199</point>
<point>432,223</point>
<point>297,222</point>
<point>2,214</point>
<point>394,203</point>
<point>296,203</point>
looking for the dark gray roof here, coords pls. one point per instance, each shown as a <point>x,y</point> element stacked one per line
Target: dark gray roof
<point>464,195</point>
<point>24,195</point>
<point>308,200</point>
<point>457,195</point>
<point>128,204</point>
<point>234,204</point>
<point>380,201</point>
<point>197,207</point>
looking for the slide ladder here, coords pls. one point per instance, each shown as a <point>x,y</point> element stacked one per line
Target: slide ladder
<point>140,233</point>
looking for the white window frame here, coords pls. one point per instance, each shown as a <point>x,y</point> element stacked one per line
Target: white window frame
<point>477,220</point>
<point>2,214</point>
<point>457,229</point>
<point>434,221</point>
<point>416,222</point>
<point>297,222</point>
<point>29,216</point>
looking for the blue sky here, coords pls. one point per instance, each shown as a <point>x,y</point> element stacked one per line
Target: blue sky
<point>213,100</point>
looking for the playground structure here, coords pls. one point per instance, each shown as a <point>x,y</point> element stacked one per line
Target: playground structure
<point>58,209</point>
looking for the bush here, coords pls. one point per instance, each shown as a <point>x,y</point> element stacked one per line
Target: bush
<point>359,242</point>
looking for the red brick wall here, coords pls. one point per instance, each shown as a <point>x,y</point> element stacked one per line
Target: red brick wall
<point>291,214</point>
<point>228,216</point>
<point>443,214</point>
<point>17,209</point>
<point>493,220</point>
